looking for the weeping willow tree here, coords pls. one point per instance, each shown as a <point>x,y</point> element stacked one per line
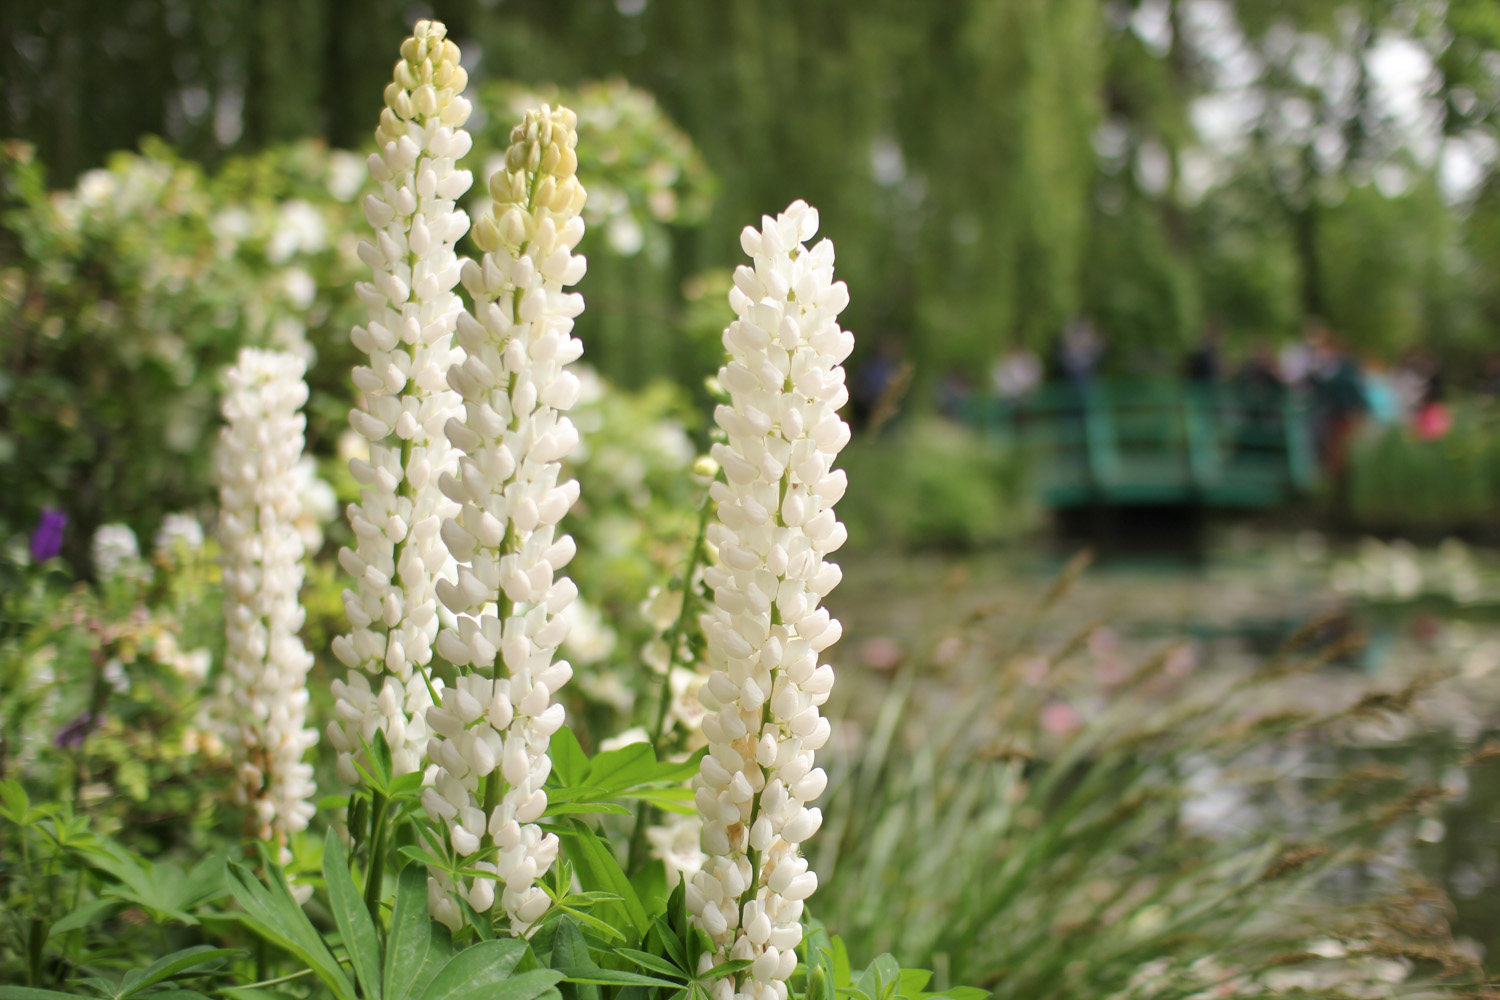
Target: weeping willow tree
<point>994,168</point>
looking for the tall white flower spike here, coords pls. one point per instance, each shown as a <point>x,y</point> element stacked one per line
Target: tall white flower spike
<point>494,727</point>
<point>398,552</point>
<point>766,629</point>
<point>264,686</point>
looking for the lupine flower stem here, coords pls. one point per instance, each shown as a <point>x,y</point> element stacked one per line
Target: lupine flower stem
<point>398,552</point>
<point>765,628</point>
<point>265,668</point>
<point>379,824</point>
<point>696,556</point>
<point>495,724</point>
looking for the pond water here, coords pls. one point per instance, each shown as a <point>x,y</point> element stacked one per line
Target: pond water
<point>1384,612</point>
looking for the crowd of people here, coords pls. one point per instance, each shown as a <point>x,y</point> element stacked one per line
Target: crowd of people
<point>1341,391</point>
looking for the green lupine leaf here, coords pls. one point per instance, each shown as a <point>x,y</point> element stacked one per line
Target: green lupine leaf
<point>277,918</point>
<point>89,914</point>
<point>353,918</point>
<point>482,966</point>
<point>419,946</point>
<point>727,968</point>
<point>598,867</point>
<point>569,762</point>
<point>570,950</point>
<point>585,809</point>
<point>617,770</point>
<point>175,964</point>
<point>913,981</point>
<point>614,977</point>
<point>652,962</point>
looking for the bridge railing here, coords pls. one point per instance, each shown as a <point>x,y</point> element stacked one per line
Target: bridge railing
<point>1123,442</point>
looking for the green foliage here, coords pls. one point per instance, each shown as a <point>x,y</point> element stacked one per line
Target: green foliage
<point>141,284</point>
<point>1384,262</point>
<point>930,482</point>
<point>978,199</point>
<point>1397,481</point>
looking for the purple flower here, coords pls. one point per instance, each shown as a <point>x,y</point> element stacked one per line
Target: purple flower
<point>46,540</point>
<point>71,736</point>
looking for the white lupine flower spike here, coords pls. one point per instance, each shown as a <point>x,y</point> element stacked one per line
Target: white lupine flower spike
<point>494,727</point>
<point>766,629</point>
<point>399,553</point>
<point>264,685</point>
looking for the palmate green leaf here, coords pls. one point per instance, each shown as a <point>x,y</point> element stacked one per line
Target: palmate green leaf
<point>598,868</point>
<point>15,804</point>
<point>616,770</point>
<point>29,993</point>
<point>726,969</point>
<point>407,785</point>
<point>615,977</point>
<point>569,762</point>
<point>880,978</point>
<point>422,857</point>
<point>842,975</point>
<point>197,957</point>
<point>957,993</point>
<point>578,793</point>
<point>89,914</point>
<point>570,950</point>
<point>670,942</point>
<point>650,884</point>
<point>672,800</point>
<point>164,890</point>
<point>275,915</point>
<point>585,809</point>
<point>652,962</point>
<point>419,946</point>
<point>913,982</point>
<point>666,771</point>
<point>487,963</point>
<point>485,972</point>
<point>352,917</point>
<point>98,984</point>
<point>606,930</point>
<point>635,765</point>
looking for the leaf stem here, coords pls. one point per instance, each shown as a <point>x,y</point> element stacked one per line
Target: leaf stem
<point>673,640</point>
<point>379,821</point>
<point>279,979</point>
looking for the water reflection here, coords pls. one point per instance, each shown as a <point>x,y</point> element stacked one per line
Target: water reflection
<point>1380,613</point>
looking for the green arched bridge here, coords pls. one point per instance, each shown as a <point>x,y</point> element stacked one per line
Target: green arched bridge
<point>1149,442</point>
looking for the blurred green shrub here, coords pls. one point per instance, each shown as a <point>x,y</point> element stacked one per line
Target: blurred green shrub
<point>105,692</point>
<point>121,301</point>
<point>932,482</point>
<point>1398,482</point>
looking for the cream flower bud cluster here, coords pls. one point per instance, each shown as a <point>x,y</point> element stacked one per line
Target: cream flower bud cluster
<point>264,686</point>
<point>766,628</point>
<point>494,727</point>
<point>399,552</point>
